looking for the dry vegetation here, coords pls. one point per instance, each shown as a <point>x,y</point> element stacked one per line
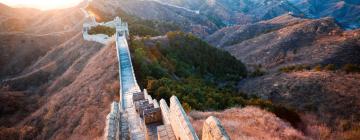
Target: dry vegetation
<point>114,89</point>
<point>327,101</point>
<point>249,123</point>
<point>70,103</point>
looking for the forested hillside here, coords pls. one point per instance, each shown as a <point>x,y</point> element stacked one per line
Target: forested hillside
<point>201,76</point>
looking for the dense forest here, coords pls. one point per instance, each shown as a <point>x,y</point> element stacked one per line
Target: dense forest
<point>201,76</point>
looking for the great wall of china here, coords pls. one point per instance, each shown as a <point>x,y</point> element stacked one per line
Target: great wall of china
<point>138,116</point>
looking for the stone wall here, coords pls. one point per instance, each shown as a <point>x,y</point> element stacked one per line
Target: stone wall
<point>100,38</point>
<point>112,122</point>
<point>213,130</point>
<point>165,111</point>
<point>164,132</point>
<point>179,121</point>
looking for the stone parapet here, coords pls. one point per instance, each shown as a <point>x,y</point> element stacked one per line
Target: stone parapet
<point>100,38</point>
<point>138,96</point>
<point>213,130</point>
<point>165,111</point>
<point>165,132</point>
<point>156,103</point>
<point>112,123</point>
<point>179,121</point>
<point>152,115</point>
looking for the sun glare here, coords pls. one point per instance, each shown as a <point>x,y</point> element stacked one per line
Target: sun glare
<point>41,4</point>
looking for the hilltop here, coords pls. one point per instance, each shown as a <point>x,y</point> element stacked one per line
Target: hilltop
<point>288,40</point>
<point>302,64</point>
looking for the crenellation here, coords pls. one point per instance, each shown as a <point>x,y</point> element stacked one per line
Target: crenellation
<point>165,111</point>
<point>138,96</point>
<point>152,115</point>
<point>156,103</point>
<point>150,99</point>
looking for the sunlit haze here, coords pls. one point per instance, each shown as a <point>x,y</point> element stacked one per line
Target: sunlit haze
<point>41,4</point>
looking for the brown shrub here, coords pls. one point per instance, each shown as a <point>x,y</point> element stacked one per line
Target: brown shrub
<point>114,89</point>
<point>294,68</point>
<point>248,123</point>
<point>22,133</point>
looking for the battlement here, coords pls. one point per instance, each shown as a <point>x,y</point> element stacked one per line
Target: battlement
<point>161,122</point>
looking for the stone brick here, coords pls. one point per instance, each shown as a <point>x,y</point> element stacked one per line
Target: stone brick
<point>138,96</point>
<point>152,115</point>
<point>164,133</point>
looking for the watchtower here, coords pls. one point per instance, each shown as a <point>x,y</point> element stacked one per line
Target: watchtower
<point>121,27</point>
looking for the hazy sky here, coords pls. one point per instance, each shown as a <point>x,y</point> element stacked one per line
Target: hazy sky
<point>41,4</point>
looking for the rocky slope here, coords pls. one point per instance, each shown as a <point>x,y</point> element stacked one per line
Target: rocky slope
<point>346,12</point>
<point>23,38</point>
<point>54,85</point>
<point>228,12</point>
<point>288,40</point>
<point>328,101</point>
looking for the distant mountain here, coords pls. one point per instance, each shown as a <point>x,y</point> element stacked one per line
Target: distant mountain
<point>346,12</point>
<point>212,14</point>
<point>289,40</point>
<point>188,21</point>
<point>230,12</point>
<point>299,62</point>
